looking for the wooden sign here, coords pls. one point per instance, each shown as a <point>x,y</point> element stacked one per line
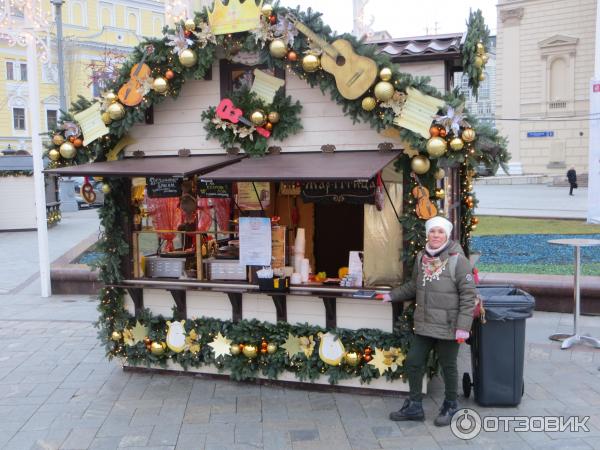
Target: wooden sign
<point>356,192</point>
<point>161,187</point>
<point>91,124</point>
<point>265,86</point>
<point>247,198</point>
<point>418,111</point>
<point>209,189</point>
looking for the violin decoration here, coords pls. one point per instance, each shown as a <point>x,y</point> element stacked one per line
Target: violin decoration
<point>130,93</point>
<point>227,111</point>
<point>425,209</point>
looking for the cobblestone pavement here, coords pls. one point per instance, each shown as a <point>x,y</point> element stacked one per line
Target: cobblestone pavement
<point>57,390</point>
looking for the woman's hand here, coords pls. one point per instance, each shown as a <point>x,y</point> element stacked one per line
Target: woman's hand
<point>385,298</point>
<point>461,336</point>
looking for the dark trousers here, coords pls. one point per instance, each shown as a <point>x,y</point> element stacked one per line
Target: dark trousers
<point>416,362</point>
<point>571,189</point>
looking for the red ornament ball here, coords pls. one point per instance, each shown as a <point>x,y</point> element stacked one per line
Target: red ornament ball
<point>187,33</point>
<point>292,56</point>
<point>272,20</point>
<point>443,132</point>
<point>269,126</point>
<point>169,74</point>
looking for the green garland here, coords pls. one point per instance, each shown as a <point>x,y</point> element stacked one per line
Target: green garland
<point>115,215</point>
<point>476,43</point>
<point>254,144</point>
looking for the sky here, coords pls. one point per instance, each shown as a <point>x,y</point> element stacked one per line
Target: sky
<point>404,18</point>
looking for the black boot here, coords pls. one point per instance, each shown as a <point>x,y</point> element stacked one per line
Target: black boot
<point>447,410</point>
<point>411,410</point>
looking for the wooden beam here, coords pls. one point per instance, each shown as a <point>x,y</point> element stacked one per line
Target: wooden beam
<point>137,295</point>
<point>280,302</point>
<point>236,305</point>
<point>330,312</point>
<point>179,295</point>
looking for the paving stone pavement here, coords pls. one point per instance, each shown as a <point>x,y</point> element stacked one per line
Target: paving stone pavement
<point>58,391</point>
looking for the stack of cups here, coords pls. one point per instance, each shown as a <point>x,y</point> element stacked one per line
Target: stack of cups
<point>305,270</point>
<point>299,245</point>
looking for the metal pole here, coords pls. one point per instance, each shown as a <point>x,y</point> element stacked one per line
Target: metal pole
<point>38,176</point>
<point>59,50</point>
<point>577,295</point>
<point>593,203</point>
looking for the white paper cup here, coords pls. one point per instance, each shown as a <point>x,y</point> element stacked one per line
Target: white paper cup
<point>296,278</point>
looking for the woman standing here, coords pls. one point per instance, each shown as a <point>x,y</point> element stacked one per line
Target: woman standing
<point>442,283</point>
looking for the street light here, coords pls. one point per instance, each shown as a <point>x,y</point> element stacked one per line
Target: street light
<point>33,32</point>
<point>59,50</point>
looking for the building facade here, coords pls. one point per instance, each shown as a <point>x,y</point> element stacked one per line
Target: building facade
<point>97,35</point>
<point>545,60</point>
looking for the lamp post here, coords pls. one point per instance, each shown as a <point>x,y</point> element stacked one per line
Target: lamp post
<point>31,32</point>
<point>593,207</point>
<point>62,96</point>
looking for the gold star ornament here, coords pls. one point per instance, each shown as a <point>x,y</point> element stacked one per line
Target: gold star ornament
<point>132,336</point>
<point>292,345</point>
<point>221,345</point>
<point>387,359</point>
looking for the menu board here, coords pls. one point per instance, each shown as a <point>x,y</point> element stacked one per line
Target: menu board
<point>209,189</point>
<point>160,187</point>
<point>278,247</point>
<point>255,241</point>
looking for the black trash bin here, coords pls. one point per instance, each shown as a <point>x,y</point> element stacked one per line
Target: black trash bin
<point>498,347</point>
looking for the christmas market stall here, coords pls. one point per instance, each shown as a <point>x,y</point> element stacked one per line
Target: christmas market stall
<point>265,179</point>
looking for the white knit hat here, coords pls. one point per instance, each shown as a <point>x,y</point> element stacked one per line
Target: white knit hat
<point>441,222</point>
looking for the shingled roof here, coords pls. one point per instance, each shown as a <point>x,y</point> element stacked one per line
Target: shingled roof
<point>434,47</point>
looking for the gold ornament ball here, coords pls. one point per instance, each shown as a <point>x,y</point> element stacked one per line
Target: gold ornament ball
<point>369,103</point>
<point>311,63</point>
<point>266,10</point>
<point>58,139</point>
<point>478,62</point>
<point>116,111</point>
<point>480,48</point>
<point>420,164</point>
<point>474,220</point>
<point>111,97</point>
<point>189,25</point>
<point>482,76</point>
<point>485,58</point>
<point>160,85</point>
<point>67,150</point>
<point>54,155</point>
<point>439,174</point>
<point>457,144</point>
<point>278,49</point>
<point>384,90</point>
<point>473,227</point>
<point>352,358</point>
<point>385,74</point>
<point>273,117</point>
<point>440,193</point>
<point>157,348</point>
<point>235,349</point>
<point>116,336</point>
<point>436,146</point>
<point>106,118</point>
<point>271,348</point>
<point>188,58</point>
<point>106,188</point>
<point>258,117</point>
<point>250,351</point>
<point>468,135</point>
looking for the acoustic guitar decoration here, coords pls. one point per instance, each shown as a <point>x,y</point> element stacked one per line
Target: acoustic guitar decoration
<point>354,74</point>
<point>227,111</point>
<point>131,93</point>
<point>425,209</point>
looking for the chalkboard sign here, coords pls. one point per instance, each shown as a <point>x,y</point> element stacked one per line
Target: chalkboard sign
<point>160,187</point>
<point>355,192</point>
<point>208,189</point>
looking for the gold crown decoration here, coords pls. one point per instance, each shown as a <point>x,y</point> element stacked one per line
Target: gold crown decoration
<point>234,17</point>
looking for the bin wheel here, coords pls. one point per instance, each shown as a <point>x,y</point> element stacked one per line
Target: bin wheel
<point>466,384</point>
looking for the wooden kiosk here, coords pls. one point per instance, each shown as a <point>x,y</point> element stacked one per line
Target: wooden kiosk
<point>251,219</point>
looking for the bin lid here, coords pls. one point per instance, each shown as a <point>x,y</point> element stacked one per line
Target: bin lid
<point>506,303</point>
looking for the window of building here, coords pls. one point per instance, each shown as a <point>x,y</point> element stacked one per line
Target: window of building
<point>51,119</point>
<point>19,118</point>
<point>23,72</point>
<point>10,70</point>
